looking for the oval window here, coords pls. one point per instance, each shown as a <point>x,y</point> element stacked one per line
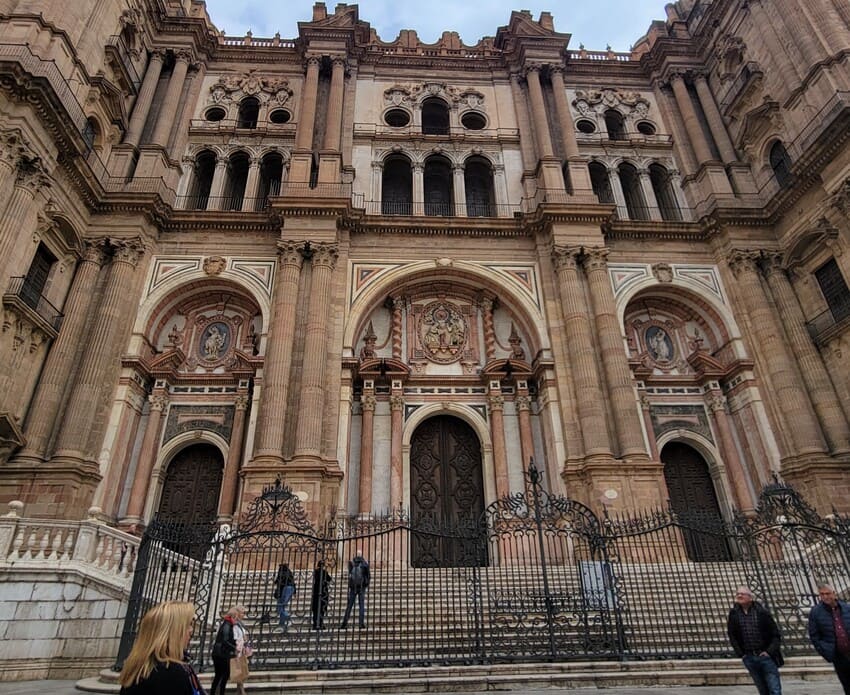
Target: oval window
<point>280,116</point>
<point>586,127</point>
<point>646,128</point>
<point>472,120</point>
<point>397,118</point>
<point>215,114</point>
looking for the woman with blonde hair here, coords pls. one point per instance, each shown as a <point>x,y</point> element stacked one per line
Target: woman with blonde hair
<point>230,643</point>
<point>155,664</point>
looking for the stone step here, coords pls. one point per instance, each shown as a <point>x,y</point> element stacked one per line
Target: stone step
<point>574,674</point>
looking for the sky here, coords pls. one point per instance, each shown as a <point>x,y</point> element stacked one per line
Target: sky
<point>595,23</point>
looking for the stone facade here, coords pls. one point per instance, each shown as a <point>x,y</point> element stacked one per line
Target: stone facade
<point>229,260</point>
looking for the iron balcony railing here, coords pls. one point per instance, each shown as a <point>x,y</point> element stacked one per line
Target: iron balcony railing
<point>836,316</point>
<point>438,209</point>
<point>222,203</point>
<point>30,295</point>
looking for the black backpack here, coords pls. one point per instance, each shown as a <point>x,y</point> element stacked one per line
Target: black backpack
<point>357,578</point>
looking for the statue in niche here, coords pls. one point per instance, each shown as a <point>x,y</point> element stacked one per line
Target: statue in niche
<point>367,352</point>
<point>214,341</point>
<point>659,344</point>
<point>517,353</point>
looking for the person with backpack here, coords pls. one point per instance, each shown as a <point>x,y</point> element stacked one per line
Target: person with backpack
<point>358,582</point>
<point>284,590</point>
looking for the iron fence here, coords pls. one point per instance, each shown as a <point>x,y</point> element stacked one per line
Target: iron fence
<point>538,577</point>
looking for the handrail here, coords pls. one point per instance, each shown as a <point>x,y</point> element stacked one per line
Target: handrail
<point>31,295</point>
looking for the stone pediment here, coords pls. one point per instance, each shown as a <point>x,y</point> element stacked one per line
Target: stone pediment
<point>758,124</point>
<point>522,24</point>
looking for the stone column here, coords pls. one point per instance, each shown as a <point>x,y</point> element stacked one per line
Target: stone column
<point>734,468</point>
<point>538,112</point>
<point>489,330</point>
<point>715,120</point>
<point>308,435</point>
<point>418,188</point>
<point>188,169</point>
<point>307,118</point>
<point>525,136</point>
<point>649,195</point>
<point>367,441</point>
<point>230,481</point>
<point>142,107</point>
<point>617,193</point>
<point>801,426</point>
<point>500,186</point>
<point>676,185</point>
<point>459,191</point>
<point>377,187</point>
<point>579,175</point>
<point>497,431</point>
<point>646,411</point>
<point>617,373</point>
<point>776,41</point>
<point>690,119</point>
<point>252,187</point>
<point>147,459</point>
<point>12,151</point>
<point>216,199</point>
<point>398,308</point>
<point>268,442</point>
<point>16,221</point>
<point>526,439</point>
<point>396,431</point>
<point>59,365</point>
<point>333,126</point>
<point>577,330</point>
<point>815,376</point>
<point>102,344</point>
<point>168,110</point>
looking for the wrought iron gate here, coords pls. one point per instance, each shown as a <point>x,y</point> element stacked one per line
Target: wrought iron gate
<point>539,578</point>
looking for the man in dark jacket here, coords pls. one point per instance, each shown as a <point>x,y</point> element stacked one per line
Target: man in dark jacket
<point>829,630</point>
<point>755,638</point>
<point>358,581</point>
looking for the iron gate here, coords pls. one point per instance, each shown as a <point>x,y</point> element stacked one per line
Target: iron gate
<point>539,578</point>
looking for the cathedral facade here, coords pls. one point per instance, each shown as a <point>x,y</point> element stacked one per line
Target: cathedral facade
<point>392,273</point>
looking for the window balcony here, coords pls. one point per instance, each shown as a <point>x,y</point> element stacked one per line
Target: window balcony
<point>28,300</point>
<point>830,323</point>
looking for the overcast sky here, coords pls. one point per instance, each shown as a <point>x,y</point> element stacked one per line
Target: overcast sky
<point>595,23</point>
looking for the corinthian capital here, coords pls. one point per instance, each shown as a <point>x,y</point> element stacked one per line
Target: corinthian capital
<point>368,403</point>
<point>595,259</point>
<point>289,253</point>
<point>158,402</point>
<point>325,255</point>
<point>743,261</point>
<point>32,175</point>
<point>13,147</point>
<point>772,262</point>
<point>566,257</point>
<point>128,251</point>
<point>496,402</point>
<point>94,251</point>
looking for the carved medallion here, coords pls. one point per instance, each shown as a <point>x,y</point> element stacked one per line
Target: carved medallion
<point>659,345</point>
<point>215,341</point>
<point>442,332</point>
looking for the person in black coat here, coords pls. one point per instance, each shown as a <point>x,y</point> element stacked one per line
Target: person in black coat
<point>829,631</point>
<point>284,590</point>
<point>359,577</point>
<point>224,649</point>
<point>755,638</point>
<point>321,595</point>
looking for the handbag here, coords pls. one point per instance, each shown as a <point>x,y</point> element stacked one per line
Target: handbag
<point>239,669</point>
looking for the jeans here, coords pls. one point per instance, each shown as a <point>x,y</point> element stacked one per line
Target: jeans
<point>286,595</point>
<point>360,593</point>
<point>765,674</point>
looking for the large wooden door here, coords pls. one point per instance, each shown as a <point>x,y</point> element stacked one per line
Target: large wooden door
<point>192,486</point>
<point>693,499</point>
<point>446,493</point>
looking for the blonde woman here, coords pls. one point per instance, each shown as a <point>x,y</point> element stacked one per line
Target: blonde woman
<point>155,664</point>
<point>229,644</point>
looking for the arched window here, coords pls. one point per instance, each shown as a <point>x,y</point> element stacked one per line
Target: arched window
<point>435,117</point>
<point>237,178</point>
<point>91,134</point>
<point>478,181</point>
<point>780,162</point>
<point>249,111</point>
<point>662,186</point>
<point>271,174</point>
<point>439,191</point>
<point>630,182</point>
<point>614,125</point>
<point>600,182</point>
<point>397,186</point>
<point>199,193</point>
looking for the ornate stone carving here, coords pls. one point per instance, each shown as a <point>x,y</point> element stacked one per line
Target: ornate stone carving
<point>368,402</point>
<point>595,259</point>
<point>590,102</point>
<point>13,147</point>
<point>289,253</point>
<point>127,250</point>
<point>496,402</point>
<point>523,403</point>
<point>158,401</point>
<point>214,265</point>
<point>369,340</point>
<point>32,175</point>
<point>517,353</point>
<point>94,251</point>
<point>663,272</point>
<point>442,332</point>
<point>743,261</point>
<point>396,402</point>
<point>233,88</point>
<point>566,257</point>
<point>729,52</point>
<point>324,255</point>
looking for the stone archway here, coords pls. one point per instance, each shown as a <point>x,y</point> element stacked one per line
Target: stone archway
<point>446,487</point>
<point>192,486</point>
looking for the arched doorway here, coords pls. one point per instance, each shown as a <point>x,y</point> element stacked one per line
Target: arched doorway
<point>446,492</point>
<point>693,499</point>
<point>192,486</point>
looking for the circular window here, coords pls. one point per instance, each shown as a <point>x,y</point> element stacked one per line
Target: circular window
<point>646,128</point>
<point>585,126</point>
<point>280,116</point>
<point>215,114</point>
<point>473,121</point>
<point>397,118</point>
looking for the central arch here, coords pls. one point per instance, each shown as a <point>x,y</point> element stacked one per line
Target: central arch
<point>446,490</point>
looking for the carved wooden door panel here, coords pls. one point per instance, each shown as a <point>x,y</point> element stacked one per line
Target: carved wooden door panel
<point>192,486</point>
<point>693,499</point>
<point>446,494</point>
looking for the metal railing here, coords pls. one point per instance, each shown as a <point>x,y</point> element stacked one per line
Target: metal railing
<point>834,317</point>
<point>32,297</point>
<point>410,130</point>
<point>421,209</point>
<point>222,203</point>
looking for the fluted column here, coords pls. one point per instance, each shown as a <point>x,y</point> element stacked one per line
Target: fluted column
<point>43,412</point>
<point>268,442</point>
<point>526,438</point>
<point>734,468</point>
<point>815,376</point>
<point>690,119</point>
<point>418,188</point>
<point>565,118</point>
<point>715,120</point>
<point>216,198</point>
<point>333,127</point>
<point>525,135</point>
<point>103,342</point>
<point>142,107</point>
<point>649,195</point>
<point>168,111</point>
<point>396,432</point>
<point>188,169</point>
<point>367,440</point>
<point>801,426</point>
<point>577,330</point>
<point>16,220</point>
<point>459,190</point>
<point>617,373</point>
<point>497,432</point>
<point>147,459</point>
<point>617,193</point>
<point>12,151</point>
<point>307,118</point>
<point>538,111</point>
<point>230,480</point>
<point>252,186</point>
<point>308,434</point>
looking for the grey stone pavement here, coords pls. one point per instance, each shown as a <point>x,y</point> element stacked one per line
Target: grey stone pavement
<point>789,687</point>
